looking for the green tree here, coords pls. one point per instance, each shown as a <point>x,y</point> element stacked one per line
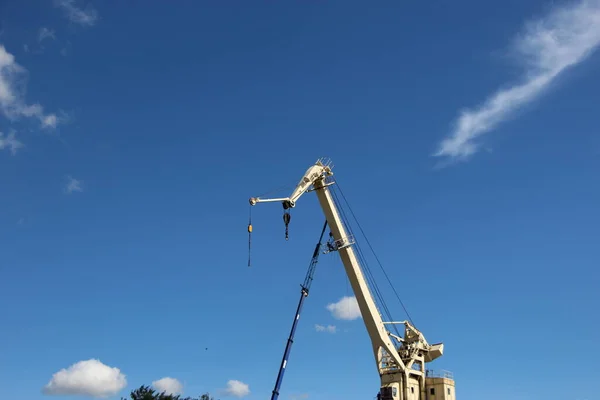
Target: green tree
<point>147,393</point>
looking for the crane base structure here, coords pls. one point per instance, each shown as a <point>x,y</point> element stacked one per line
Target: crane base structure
<point>401,361</point>
<point>439,385</point>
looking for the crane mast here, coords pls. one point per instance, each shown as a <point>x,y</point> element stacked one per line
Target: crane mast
<point>400,360</point>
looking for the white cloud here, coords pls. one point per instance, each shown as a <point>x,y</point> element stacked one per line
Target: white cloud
<point>86,378</point>
<point>237,388</point>
<point>323,328</point>
<point>547,47</point>
<point>168,385</point>
<point>73,185</point>
<point>49,121</point>
<point>87,17</point>
<point>9,142</point>
<point>45,33</point>
<point>345,308</point>
<point>12,103</point>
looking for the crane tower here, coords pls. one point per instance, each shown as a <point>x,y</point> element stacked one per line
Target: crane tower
<point>401,361</point>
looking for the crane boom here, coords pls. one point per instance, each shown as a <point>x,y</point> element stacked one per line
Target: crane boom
<point>370,314</point>
<point>400,361</point>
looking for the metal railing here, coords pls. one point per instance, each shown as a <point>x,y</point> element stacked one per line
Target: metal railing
<point>439,374</point>
<point>344,242</point>
<point>326,162</point>
<point>339,244</point>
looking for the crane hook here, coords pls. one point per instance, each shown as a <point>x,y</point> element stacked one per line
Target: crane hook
<point>286,221</point>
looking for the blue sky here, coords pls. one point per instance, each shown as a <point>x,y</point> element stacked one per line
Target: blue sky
<point>464,135</point>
